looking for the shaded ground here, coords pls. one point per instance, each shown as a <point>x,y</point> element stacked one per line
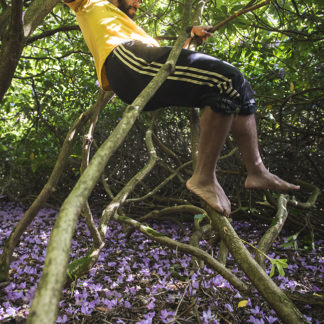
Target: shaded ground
<point>138,281</point>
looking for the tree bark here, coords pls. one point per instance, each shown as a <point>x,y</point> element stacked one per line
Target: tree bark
<point>273,231</point>
<point>14,39</point>
<point>283,306</point>
<point>13,44</point>
<point>189,249</point>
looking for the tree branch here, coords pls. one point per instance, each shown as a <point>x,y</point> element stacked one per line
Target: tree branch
<point>163,183</point>
<point>239,13</point>
<point>51,33</point>
<point>186,248</point>
<point>312,198</point>
<point>274,230</point>
<point>49,187</point>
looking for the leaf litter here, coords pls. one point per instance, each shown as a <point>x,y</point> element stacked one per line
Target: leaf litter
<point>136,280</point>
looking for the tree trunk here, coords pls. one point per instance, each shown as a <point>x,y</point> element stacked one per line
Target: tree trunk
<point>13,41</point>
<point>13,44</point>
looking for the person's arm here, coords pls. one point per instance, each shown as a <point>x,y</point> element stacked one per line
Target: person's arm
<point>202,32</point>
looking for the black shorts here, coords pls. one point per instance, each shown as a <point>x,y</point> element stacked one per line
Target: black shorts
<point>199,80</point>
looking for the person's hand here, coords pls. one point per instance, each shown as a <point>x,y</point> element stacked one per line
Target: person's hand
<point>202,32</point>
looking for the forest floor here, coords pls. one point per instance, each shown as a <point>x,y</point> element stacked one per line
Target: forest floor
<point>138,281</point>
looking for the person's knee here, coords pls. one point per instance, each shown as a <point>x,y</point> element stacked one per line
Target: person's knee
<point>219,103</point>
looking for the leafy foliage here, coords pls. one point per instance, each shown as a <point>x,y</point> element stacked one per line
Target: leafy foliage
<point>280,264</point>
<point>279,48</point>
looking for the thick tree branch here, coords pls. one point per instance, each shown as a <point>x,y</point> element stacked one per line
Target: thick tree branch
<point>45,304</point>
<point>239,13</point>
<point>18,33</point>
<point>186,248</point>
<point>11,48</point>
<point>51,33</point>
<point>285,309</point>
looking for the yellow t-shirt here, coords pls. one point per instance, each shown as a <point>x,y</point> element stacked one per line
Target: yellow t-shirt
<point>104,27</point>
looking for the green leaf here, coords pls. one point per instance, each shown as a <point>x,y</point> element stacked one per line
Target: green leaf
<point>291,241</point>
<point>280,269</point>
<point>199,216</point>
<point>3,148</point>
<point>69,275</point>
<point>280,264</point>
<point>288,244</point>
<point>34,167</point>
<point>272,271</point>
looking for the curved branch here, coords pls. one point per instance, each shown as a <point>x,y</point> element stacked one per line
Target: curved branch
<point>120,198</point>
<point>36,12</point>
<point>272,233</point>
<point>312,198</point>
<point>237,14</point>
<point>163,183</point>
<point>174,210</point>
<point>186,248</point>
<point>51,33</point>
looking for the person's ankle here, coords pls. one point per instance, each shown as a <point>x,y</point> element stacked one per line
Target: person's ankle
<point>257,171</point>
<point>202,180</point>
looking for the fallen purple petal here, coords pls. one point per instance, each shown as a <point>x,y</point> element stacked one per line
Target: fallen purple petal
<point>136,280</point>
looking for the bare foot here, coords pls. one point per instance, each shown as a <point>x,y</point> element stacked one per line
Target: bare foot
<point>213,194</point>
<point>267,180</point>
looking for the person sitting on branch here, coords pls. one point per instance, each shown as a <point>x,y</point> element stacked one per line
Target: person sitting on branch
<point>126,60</point>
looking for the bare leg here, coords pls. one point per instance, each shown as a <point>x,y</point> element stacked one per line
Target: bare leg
<point>245,134</point>
<point>214,128</point>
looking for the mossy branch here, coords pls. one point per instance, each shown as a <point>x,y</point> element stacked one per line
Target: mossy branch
<point>315,192</point>
<point>274,230</point>
<point>285,309</point>
<point>186,248</point>
<point>120,198</point>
